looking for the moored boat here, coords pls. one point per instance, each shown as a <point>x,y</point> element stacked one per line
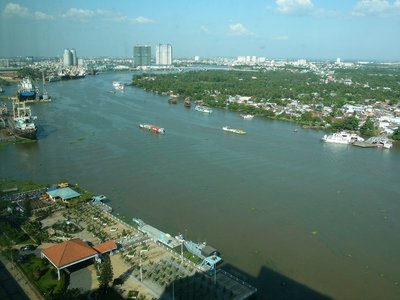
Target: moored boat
<point>247,117</point>
<point>152,128</point>
<point>203,109</point>
<point>342,137</point>
<point>172,100</point>
<point>234,130</point>
<point>384,143</point>
<point>187,103</point>
<point>22,123</point>
<point>26,90</point>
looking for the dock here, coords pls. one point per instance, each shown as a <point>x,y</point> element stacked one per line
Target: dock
<point>364,144</point>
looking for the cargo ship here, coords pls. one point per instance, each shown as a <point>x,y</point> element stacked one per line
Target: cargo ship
<point>152,128</point>
<point>74,73</point>
<point>26,90</point>
<point>22,123</point>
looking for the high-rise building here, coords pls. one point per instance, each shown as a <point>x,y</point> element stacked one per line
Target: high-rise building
<point>4,63</point>
<point>70,58</point>
<point>67,58</point>
<point>141,56</point>
<point>164,54</point>
<point>74,58</point>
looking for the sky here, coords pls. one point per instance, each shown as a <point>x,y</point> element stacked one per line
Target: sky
<point>275,29</point>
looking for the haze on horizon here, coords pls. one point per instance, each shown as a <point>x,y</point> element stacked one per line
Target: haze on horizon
<point>312,29</point>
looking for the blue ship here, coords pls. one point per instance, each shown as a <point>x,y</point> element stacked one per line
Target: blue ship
<point>26,90</point>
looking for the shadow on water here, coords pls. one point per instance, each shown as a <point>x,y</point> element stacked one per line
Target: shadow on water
<point>269,284</point>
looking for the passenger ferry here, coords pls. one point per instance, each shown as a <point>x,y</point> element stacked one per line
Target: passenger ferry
<point>342,137</point>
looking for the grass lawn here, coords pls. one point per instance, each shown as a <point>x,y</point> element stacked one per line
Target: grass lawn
<point>23,186</point>
<point>43,275</point>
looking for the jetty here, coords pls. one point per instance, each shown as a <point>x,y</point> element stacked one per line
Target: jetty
<point>364,144</point>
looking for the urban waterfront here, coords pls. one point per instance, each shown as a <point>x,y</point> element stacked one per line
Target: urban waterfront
<point>274,201</point>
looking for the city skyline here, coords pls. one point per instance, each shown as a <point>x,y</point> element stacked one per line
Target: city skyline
<point>310,29</point>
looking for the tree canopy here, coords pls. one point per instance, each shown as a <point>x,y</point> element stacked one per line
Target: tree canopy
<point>106,272</point>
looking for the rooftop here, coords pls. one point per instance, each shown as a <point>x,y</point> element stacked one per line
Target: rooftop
<point>68,252</point>
<point>63,193</point>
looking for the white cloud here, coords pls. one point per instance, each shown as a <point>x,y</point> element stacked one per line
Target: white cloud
<point>290,6</point>
<point>281,38</point>
<point>111,16</point>
<point>375,7</point>
<point>13,9</point>
<point>42,16</point>
<point>79,14</point>
<point>143,20</point>
<point>238,29</point>
<point>204,28</point>
<point>16,10</point>
<point>85,15</point>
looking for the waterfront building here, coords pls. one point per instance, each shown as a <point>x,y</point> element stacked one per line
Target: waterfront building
<point>75,251</point>
<point>141,56</point>
<point>164,54</point>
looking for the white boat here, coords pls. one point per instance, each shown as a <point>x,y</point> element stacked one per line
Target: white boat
<point>342,137</point>
<point>118,85</point>
<point>234,130</point>
<point>247,117</point>
<point>383,143</point>
<point>203,109</point>
<point>152,128</point>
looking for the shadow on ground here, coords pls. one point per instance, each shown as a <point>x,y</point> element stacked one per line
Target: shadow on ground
<point>269,284</point>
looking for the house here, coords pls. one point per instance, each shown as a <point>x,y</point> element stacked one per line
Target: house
<point>74,252</point>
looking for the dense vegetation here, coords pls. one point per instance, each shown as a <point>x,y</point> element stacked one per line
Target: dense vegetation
<point>214,86</point>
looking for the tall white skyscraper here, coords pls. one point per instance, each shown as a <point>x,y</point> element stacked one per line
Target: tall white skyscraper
<point>164,54</point>
<point>69,58</point>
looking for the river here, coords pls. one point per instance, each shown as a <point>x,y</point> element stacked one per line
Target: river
<point>300,217</point>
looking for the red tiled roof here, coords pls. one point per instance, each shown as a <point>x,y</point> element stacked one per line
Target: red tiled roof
<point>68,252</point>
<point>105,247</point>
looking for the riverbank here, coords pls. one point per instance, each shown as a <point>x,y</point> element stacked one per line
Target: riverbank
<point>142,262</point>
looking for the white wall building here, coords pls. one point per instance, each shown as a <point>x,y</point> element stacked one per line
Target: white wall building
<point>164,54</point>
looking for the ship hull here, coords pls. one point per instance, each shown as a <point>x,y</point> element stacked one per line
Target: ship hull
<point>23,96</point>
